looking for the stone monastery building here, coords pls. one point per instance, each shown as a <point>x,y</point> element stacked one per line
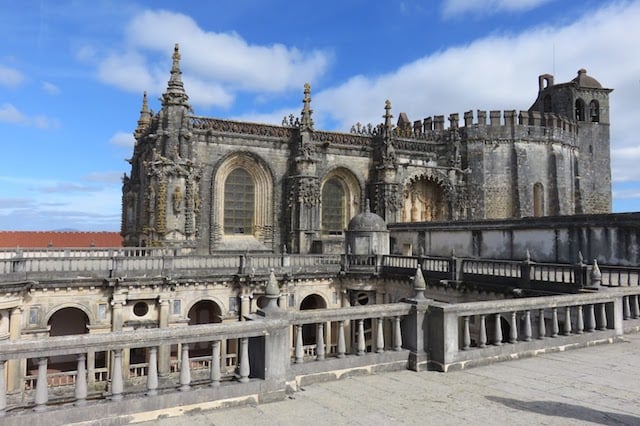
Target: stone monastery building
<point>211,185</point>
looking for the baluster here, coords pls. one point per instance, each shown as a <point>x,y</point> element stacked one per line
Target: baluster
<point>497,330</point>
<point>215,363</point>
<point>636,306</point>
<point>299,351</point>
<point>466,336</point>
<point>513,331</point>
<point>626,308</point>
<point>42,388</point>
<point>590,319</point>
<point>152,372</point>
<point>361,345</point>
<point>3,390</point>
<point>554,322</point>
<point>342,347</point>
<point>117,384</point>
<point>397,335</point>
<point>81,381</point>
<point>320,342</point>
<point>244,369</point>
<point>566,327</point>
<point>542,331</point>
<point>602,317</point>
<point>482,339</point>
<point>185,369</point>
<point>527,326</point>
<point>580,320</point>
<point>380,337</point>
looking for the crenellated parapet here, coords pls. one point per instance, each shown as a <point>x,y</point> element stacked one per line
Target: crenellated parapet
<point>495,124</point>
<point>527,125</point>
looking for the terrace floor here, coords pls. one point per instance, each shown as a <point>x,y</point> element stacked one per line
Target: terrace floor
<point>596,385</point>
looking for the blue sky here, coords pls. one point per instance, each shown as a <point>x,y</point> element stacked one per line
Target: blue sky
<point>72,74</point>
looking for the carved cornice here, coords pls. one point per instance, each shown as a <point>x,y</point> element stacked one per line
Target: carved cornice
<point>238,127</point>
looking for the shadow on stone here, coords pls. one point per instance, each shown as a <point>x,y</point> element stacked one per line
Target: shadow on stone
<point>561,409</point>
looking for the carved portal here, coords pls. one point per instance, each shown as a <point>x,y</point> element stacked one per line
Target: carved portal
<point>424,200</point>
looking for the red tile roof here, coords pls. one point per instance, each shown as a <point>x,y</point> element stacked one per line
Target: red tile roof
<point>43,239</point>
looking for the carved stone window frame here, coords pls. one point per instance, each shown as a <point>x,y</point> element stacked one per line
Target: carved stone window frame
<point>263,184</point>
<point>351,189</point>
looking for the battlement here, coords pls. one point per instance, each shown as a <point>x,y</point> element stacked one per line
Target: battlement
<point>495,124</point>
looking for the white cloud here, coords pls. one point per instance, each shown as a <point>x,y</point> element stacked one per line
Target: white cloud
<point>129,71</point>
<point>10,77</point>
<point>500,72</point>
<point>10,114</point>
<point>226,57</point>
<point>50,88</point>
<point>486,7</point>
<point>122,139</point>
<point>216,65</point>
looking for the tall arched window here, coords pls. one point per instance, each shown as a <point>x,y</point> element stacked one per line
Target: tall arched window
<point>594,111</point>
<point>538,200</point>
<point>333,207</point>
<point>580,110</point>
<point>239,203</point>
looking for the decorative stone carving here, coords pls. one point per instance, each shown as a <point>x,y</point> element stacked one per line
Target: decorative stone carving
<point>305,190</point>
<point>176,199</point>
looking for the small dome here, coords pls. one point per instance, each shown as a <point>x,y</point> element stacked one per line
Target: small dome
<point>583,80</point>
<point>367,221</point>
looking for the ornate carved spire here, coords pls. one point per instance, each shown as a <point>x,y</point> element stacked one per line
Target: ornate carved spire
<point>307,121</point>
<point>145,117</point>
<point>175,94</point>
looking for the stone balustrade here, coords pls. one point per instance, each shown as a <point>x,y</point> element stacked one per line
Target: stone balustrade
<point>474,333</point>
<point>619,276</point>
<point>155,263</point>
<point>271,356</point>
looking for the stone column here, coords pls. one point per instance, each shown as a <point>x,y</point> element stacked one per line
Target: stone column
<point>81,381</point>
<point>91,367</point>
<point>3,390</point>
<point>42,387</point>
<point>185,369</point>
<point>215,364</point>
<point>416,334</point>
<point>245,306</point>
<point>117,384</point>
<point>244,369</point>
<point>164,351</point>
<point>15,367</point>
<point>116,315</point>
<point>152,372</point>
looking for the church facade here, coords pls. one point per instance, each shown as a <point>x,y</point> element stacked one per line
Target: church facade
<point>210,185</point>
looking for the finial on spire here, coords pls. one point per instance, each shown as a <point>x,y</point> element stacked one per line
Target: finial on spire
<point>145,117</point>
<point>175,94</point>
<point>387,114</point>
<point>176,58</point>
<point>367,206</point>
<point>307,121</point>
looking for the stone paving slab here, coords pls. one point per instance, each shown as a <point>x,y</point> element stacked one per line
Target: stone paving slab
<point>596,385</point>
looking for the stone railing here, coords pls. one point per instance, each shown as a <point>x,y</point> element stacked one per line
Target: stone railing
<point>156,263</point>
<point>619,276</point>
<point>272,357</point>
<point>469,334</point>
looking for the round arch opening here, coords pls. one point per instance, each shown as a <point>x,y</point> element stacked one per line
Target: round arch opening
<point>205,312</point>
<point>309,331</point>
<point>65,322</point>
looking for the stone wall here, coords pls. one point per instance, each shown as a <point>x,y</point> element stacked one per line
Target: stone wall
<point>612,239</point>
